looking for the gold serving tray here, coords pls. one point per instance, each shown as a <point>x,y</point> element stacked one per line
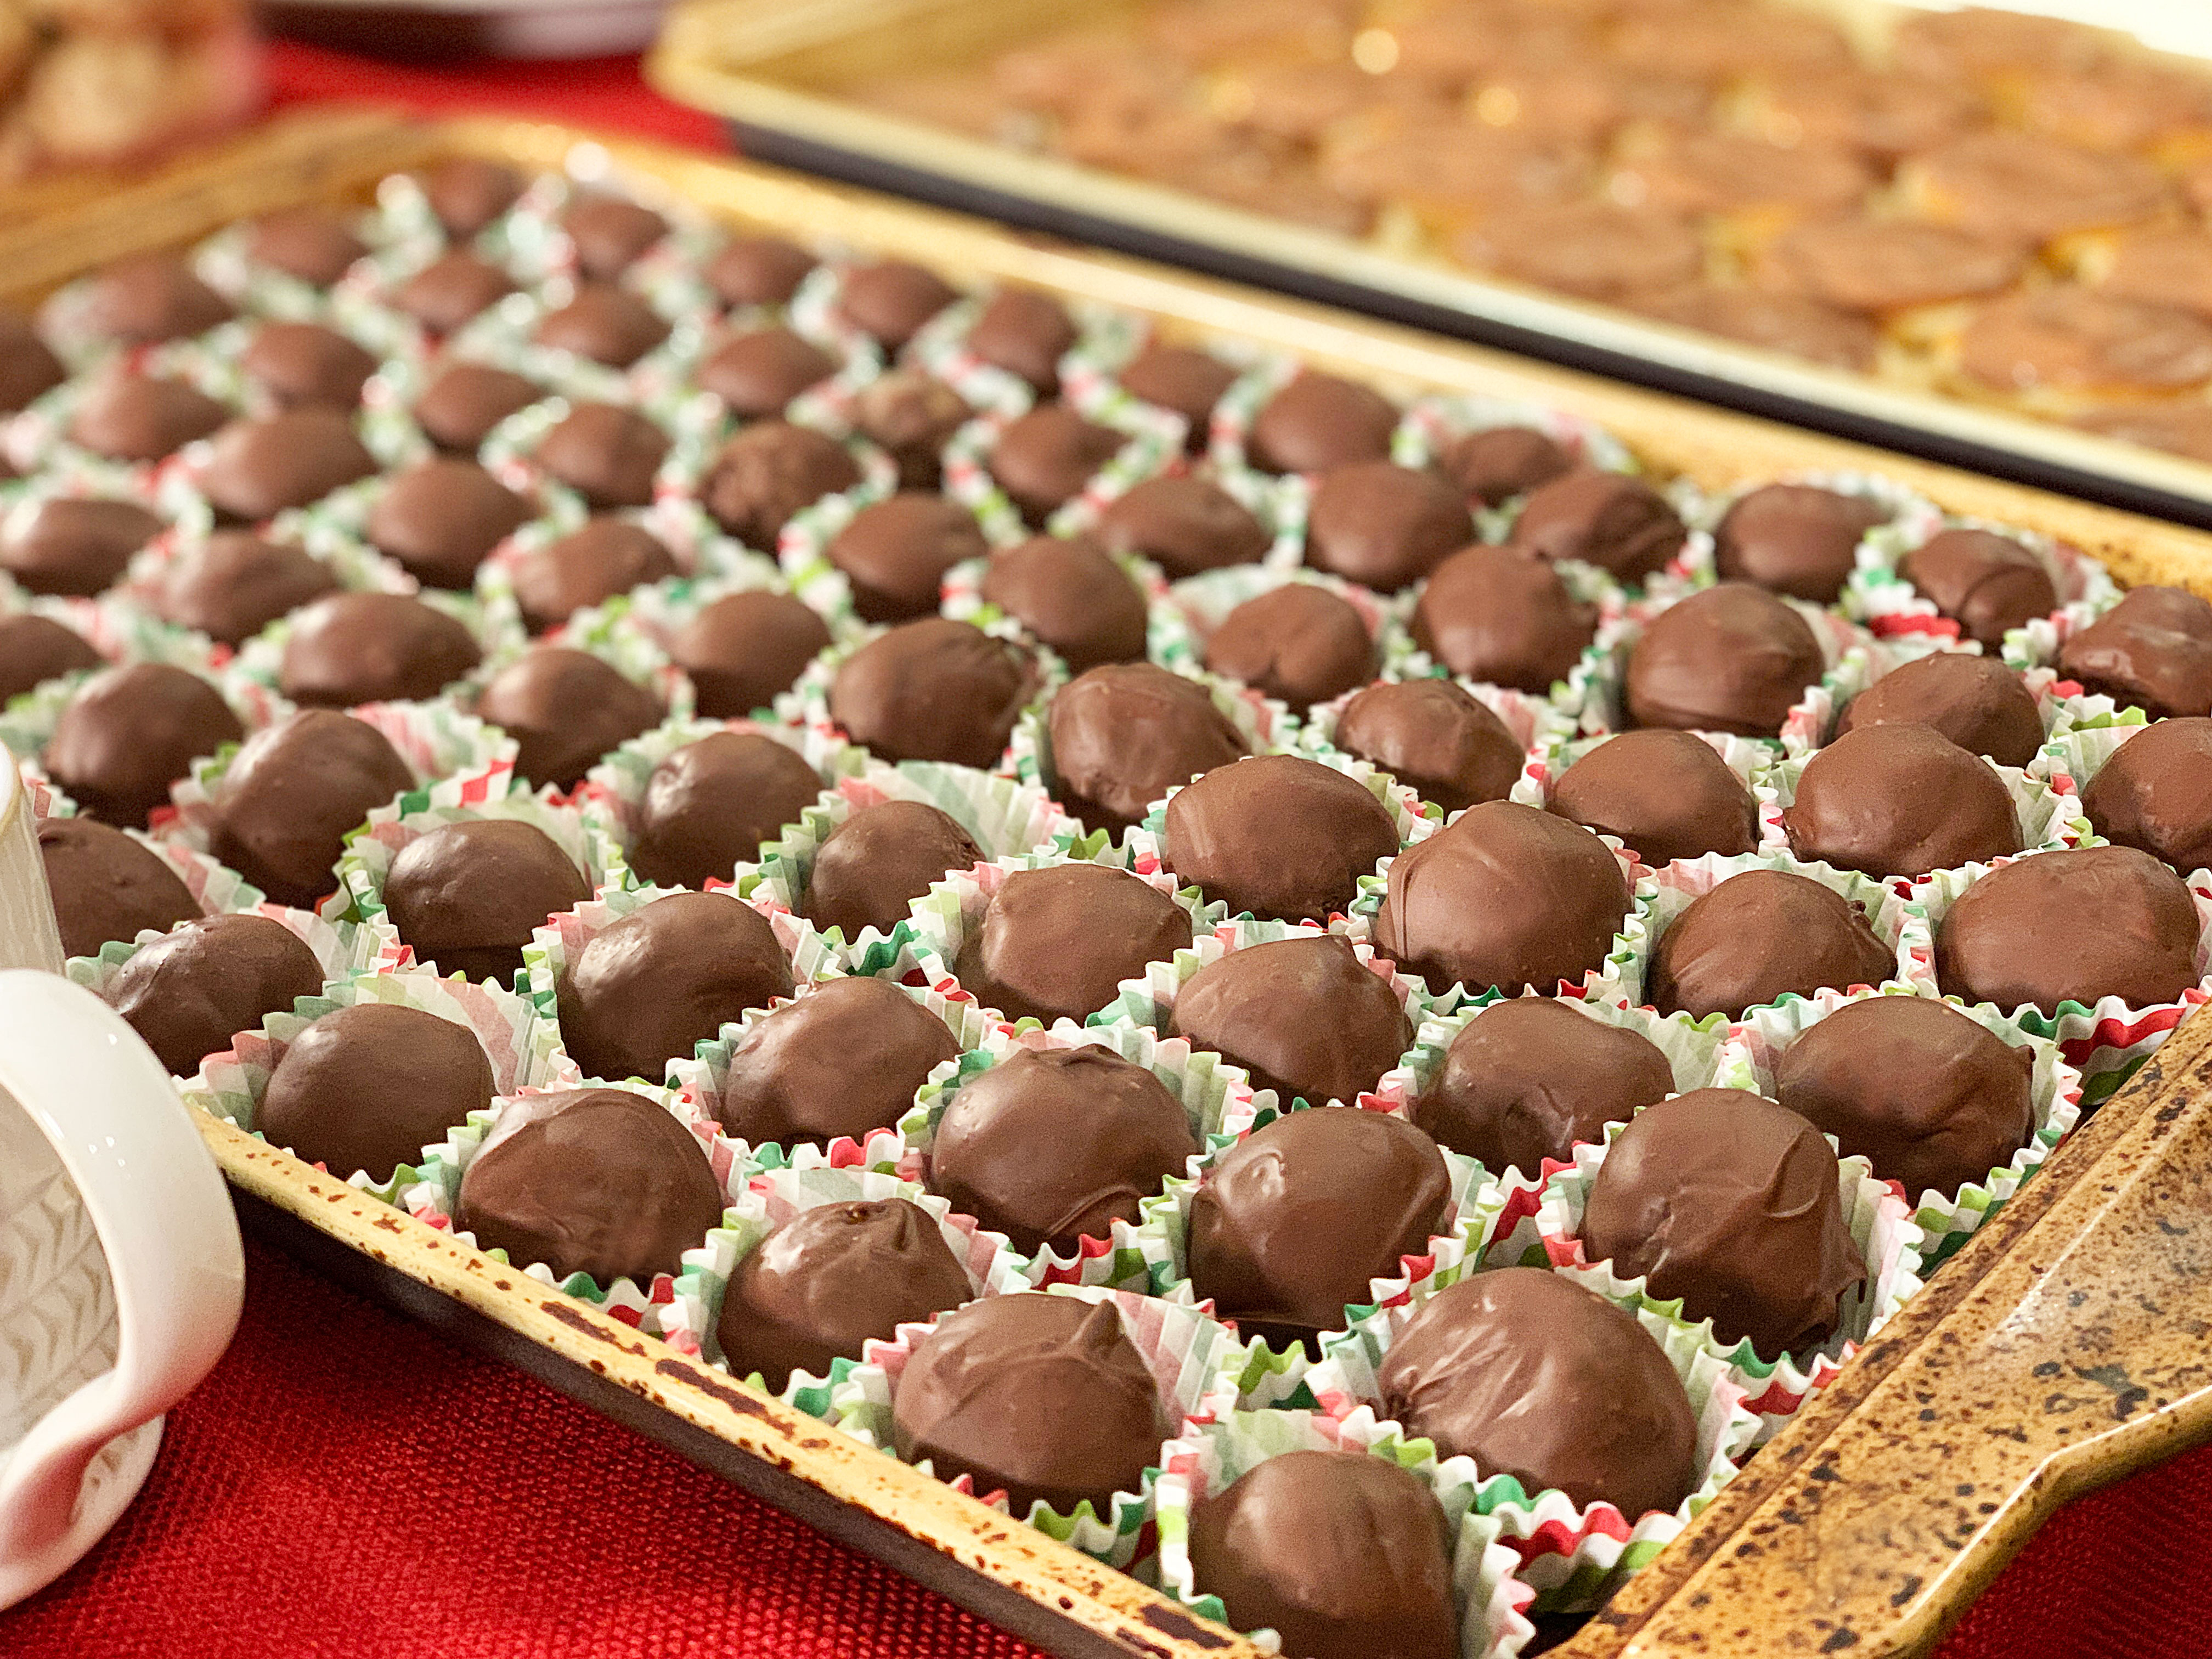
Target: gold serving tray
<point>2063,1347</point>
<point>778,70</point>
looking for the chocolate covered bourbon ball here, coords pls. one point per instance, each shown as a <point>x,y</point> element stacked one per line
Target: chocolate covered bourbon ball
<point>352,648</point>
<point>889,301</point>
<point>895,553</point>
<point>711,804</point>
<point>298,364</point>
<point>125,416</point>
<point>367,1087</point>
<point>107,886</point>
<point>844,1058</point>
<point>1055,943</point>
<point>451,290</point>
<point>1760,936</point>
<point>1665,795</point>
<point>1280,837</point>
<point>73,547</point>
<point>1122,736</point>
<point>1043,460</point>
<point>1185,525</point>
<point>745,650</point>
<point>256,469</point>
<point>129,732</point>
<point>468,896</point>
<point>468,192</point>
<point>909,416</point>
<point>1501,616</point>
<point>1299,642</point>
<point>1497,464</point>
<point>235,584</point>
<point>1026,333</point>
<point>1731,658</point>
<point>147,298</point>
<point>604,324</point>
<point>757,373</point>
<point>2155,793</point>
<point>2024,932</point>
<point>1794,539</point>
<point>870,869</point>
<point>1183,381</point>
<point>1987,583</point>
<point>1977,703</point>
<point>28,368</point>
<point>1305,1016</point>
<point>440,519</point>
<point>190,993</point>
<point>934,690</point>
<point>609,455</point>
<point>315,244</point>
<point>611,233</point>
<point>2153,650</point>
<point>608,556</point>
<point>758,271</point>
<point>1318,422</point>
<point>1619,524</point>
<point>1067,593</point>
<point>1900,800</point>
<point>1383,525</point>
<point>292,794</point>
<point>1434,737</point>
<point>566,708</point>
<point>34,649</point>
<point>458,409</point>
<point>767,474</point>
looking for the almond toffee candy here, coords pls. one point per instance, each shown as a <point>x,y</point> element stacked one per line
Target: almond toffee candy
<point>2153,650</point>
<point>129,732</point>
<point>2025,188</point>
<point>2161,265</point>
<point>1730,659</point>
<point>870,869</point>
<point>1056,943</point>
<point>1122,736</point>
<point>1280,837</point>
<point>566,708</point>
<point>1185,525</point>
<point>843,1059</point>
<point>1725,172</point>
<point>1503,616</point>
<point>1976,702</point>
<point>190,993</point>
<point>1304,1015</point>
<point>1758,936</point>
<point>1987,583</point>
<point>1596,250</point>
<point>1434,737</point>
<point>1884,266</point>
<point>1900,800</point>
<point>2076,339</point>
<point>468,896</point>
<point>1787,323</point>
<point>366,1088</point>
<point>291,795</point>
<point>105,886</point>
<point>1299,642</point>
<point>1664,795</point>
<point>710,804</point>
<point>2155,792</point>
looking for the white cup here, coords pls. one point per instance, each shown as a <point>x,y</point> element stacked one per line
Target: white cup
<point>120,1271</point>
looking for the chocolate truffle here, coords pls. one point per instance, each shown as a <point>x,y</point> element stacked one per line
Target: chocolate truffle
<point>188,995</point>
<point>1184,524</point>
<point>1758,936</point>
<point>1987,583</point>
<point>440,519</point>
<point>1042,460</point>
<point>891,301</point>
<point>1183,381</point>
<point>1530,1077</point>
<point>600,1182</point>
<point>1319,422</point>
<point>649,989</point>
<point>1041,1397</point>
<point>1279,836</point>
<point>1056,943</point>
<point>1616,1427</point>
<point>258,468</point>
<point>609,233</point>
<point>872,868</point>
<point>823,1283</point>
<point>607,558</point>
<point>1794,539</point>
<point>1618,523</point>
<point>2078,927</point>
<point>758,373</point>
<point>1977,703</point>
<point>2155,793</point>
<point>758,271</point>
<point>1122,736</point>
<point>233,585</point>
<point>366,1088</point>
<point>1731,658</point>
<point>1303,1016</point>
<point>292,794</point>
<point>34,649</point>
<point>605,323</point>
<point>1025,333</point>
<point>150,297</point>
<point>1928,1098</point>
<point>1664,795</point>
<point>934,690</point>
<point>71,546</point>
<point>909,416</point>
<point>313,243</point>
<point>1340,1554</point>
<point>1497,615</point>
<point>1067,593</point>
<point>468,192</point>
<point>129,732</point>
<point>107,886</point>
<point>124,415</point>
<point>1730,1202</point>
<point>711,804</point>
<point>843,1059</point>
<point>566,708</point>
<point>1494,465</point>
<point>299,364</point>
<point>1505,895</point>
<point>895,553</point>
<point>745,649</point>
<point>28,368</point>
<point>1054,1146</point>
<point>468,896</point>
<point>1433,736</point>
<point>770,472</point>
<point>609,455</point>
<point>1383,524</point>
<point>1900,800</point>
<point>459,409</point>
<point>373,648</point>
<point>2153,650</point>
<point>1300,642</point>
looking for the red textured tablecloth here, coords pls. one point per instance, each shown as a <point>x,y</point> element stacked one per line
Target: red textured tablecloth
<point>347,1483</point>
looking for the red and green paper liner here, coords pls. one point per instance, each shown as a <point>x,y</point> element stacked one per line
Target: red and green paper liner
<point>2050,819</point>
<point>1185,618</point>
<point>691,420</point>
<point>701,548</point>
<point>1104,335</point>
<point>2034,650</point>
<point>122,635</point>
<point>1879,595</point>
<point>1752,762</point>
<point>502,334</point>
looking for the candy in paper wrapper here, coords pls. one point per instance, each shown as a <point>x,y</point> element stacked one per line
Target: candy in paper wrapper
<point>2048,818</point>
<point>1533,723</point>
<point>1881,596</point>
<point>1194,610</point>
<point>1434,423</point>
<point>1673,803</point>
<point>1789,550</point>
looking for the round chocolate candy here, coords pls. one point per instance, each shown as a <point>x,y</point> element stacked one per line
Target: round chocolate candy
<point>440,519</point>
<point>600,1182</point>
<point>256,469</point>
<point>1665,795</point>
<point>605,323</point>
<point>1183,381</point>
<point>129,732</point>
<point>28,368</point>
<point>107,886</point>
<point>313,243</point>
<point>889,301</point>
<point>1304,1015</point>
<point>1505,895</point>
<point>73,547</point>
<point>2076,926</point>
<point>2153,650</point>
<point>373,648</point>
<point>611,233</point>
<point>1433,736</point>
<point>1731,658</point>
<point>1041,1397</point>
<point>124,415</point>
<point>1794,539</point>
<point>366,1088</point>
<point>468,192</point>
<point>609,455</point>
<point>147,298</point>
<point>605,558</point>
<point>1900,800</point>
<point>1987,583</point>
<point>468,896</point>
<point>1056,943</point>
<point>1732,1204</point>
<point>757,373</point>
<point>1298,642</point>
<point>1319,422</point>
<point>1054,1146</point>
<point>1279,836</point>
<point>711,804</point>
<point>1071,596</point>
<point>190,994</point>
<point>1531,1077</point>
<point>1500,462</point>
<point>233,585</point>
<point>1042,460</point>
<point>566,708</point>
<point>1618,523</point>
<point>758,271</point>
<point>895,553</point>
<point>1026,333</point>
<point>1122,736</point>
<point>909,416</point>
<point>745,649</point>
<point>823,1283</point>
<point>1383,525</point>
<point>1497,615</point>
<point>299,364</point>
<point>458,409</point>
<point>845,1058</point>
<point>292,794</point>
<point>34,649</point>
<point>1928,1098</point>
<point>871,868</point>
<point>770,472</point>
<point>934,690</point>
<point>1616,1427</point>
<point>451,290</point>
<point>1977,703</point>
<point>1758,936</point>
<point>1184,524</point>
<point>668,976</point>
<point>2155,792</point>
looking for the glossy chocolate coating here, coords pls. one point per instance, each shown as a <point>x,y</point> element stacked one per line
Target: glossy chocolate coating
<point>150,297</point>
<point>373,648</point>
<point>124,415</point>
<point>1900,800</point>
<point>934,690</point>
<point>1045,457</point>
<point>1319,422</point>
<point>1053,1145</point>
<point>299,364</point>
<point>1505,895</point>
<point>1530,1077</point>
<point>468,192</point>
<point>1731,1203</point>
<point>871,868</point>
<point>34,649</point>
<point>1183,381</point>
<point>1616,1427</point>
<point>1069,595</point>
<point>607,558</point>
<point>711,804</point>
<point>131,732</point>
<point>1279,836</point>
<point>891,301</point>
<point>758,271</point>
<point>609,455</point>
<point>1665,795</point>
<point>292,794</point>
<point>28,368</point>
<point>1435,738</point>
<point>611,233</point>
<point>1299,642</point>
<point>745,649</point>
<point>819,1286</point>
<point>909,415</point>
<point>440,519</point>
<point>1056,943</point>
<point>1384,525</point>
<point>566,708</point>
<point>2153,650</point>
<point>1977,702</point>
<point>73,547</point>
<point>451,290</point>
<point>1025,333</point>
<point>767,473</point>
<point>843,1059</point>
<point>592,1180</point>
<point>1618,523</point>
<point>313,243</point>
<point>367,1087</point>
<point>188,995</point>
<point>107,886</point>
<point>605,324</point>
<point>1987,583</point>
<point>1928,1098</point>
<point>1500,462</point>
<point>468,896</point>
<point>1757,937</point>
<point>1497,615</point>
<point>1184,524</point>
<point>1794,539</point>
<point>1731,658</point>
<point>235,584</point>
<point>458,409</point>
<point>896,552</point>
<point>256,469</point>
<point>758,373</point>
<point>2155,792</point>
<point>1122,736</point>
<point>1303,1016</point>
<point>2020,934</point>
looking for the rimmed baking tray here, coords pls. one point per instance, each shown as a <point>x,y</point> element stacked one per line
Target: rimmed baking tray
<point>2063,1346</point>
<point>776,70</point>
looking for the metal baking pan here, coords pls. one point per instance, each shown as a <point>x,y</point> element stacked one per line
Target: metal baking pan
<point>2060,1349</point>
